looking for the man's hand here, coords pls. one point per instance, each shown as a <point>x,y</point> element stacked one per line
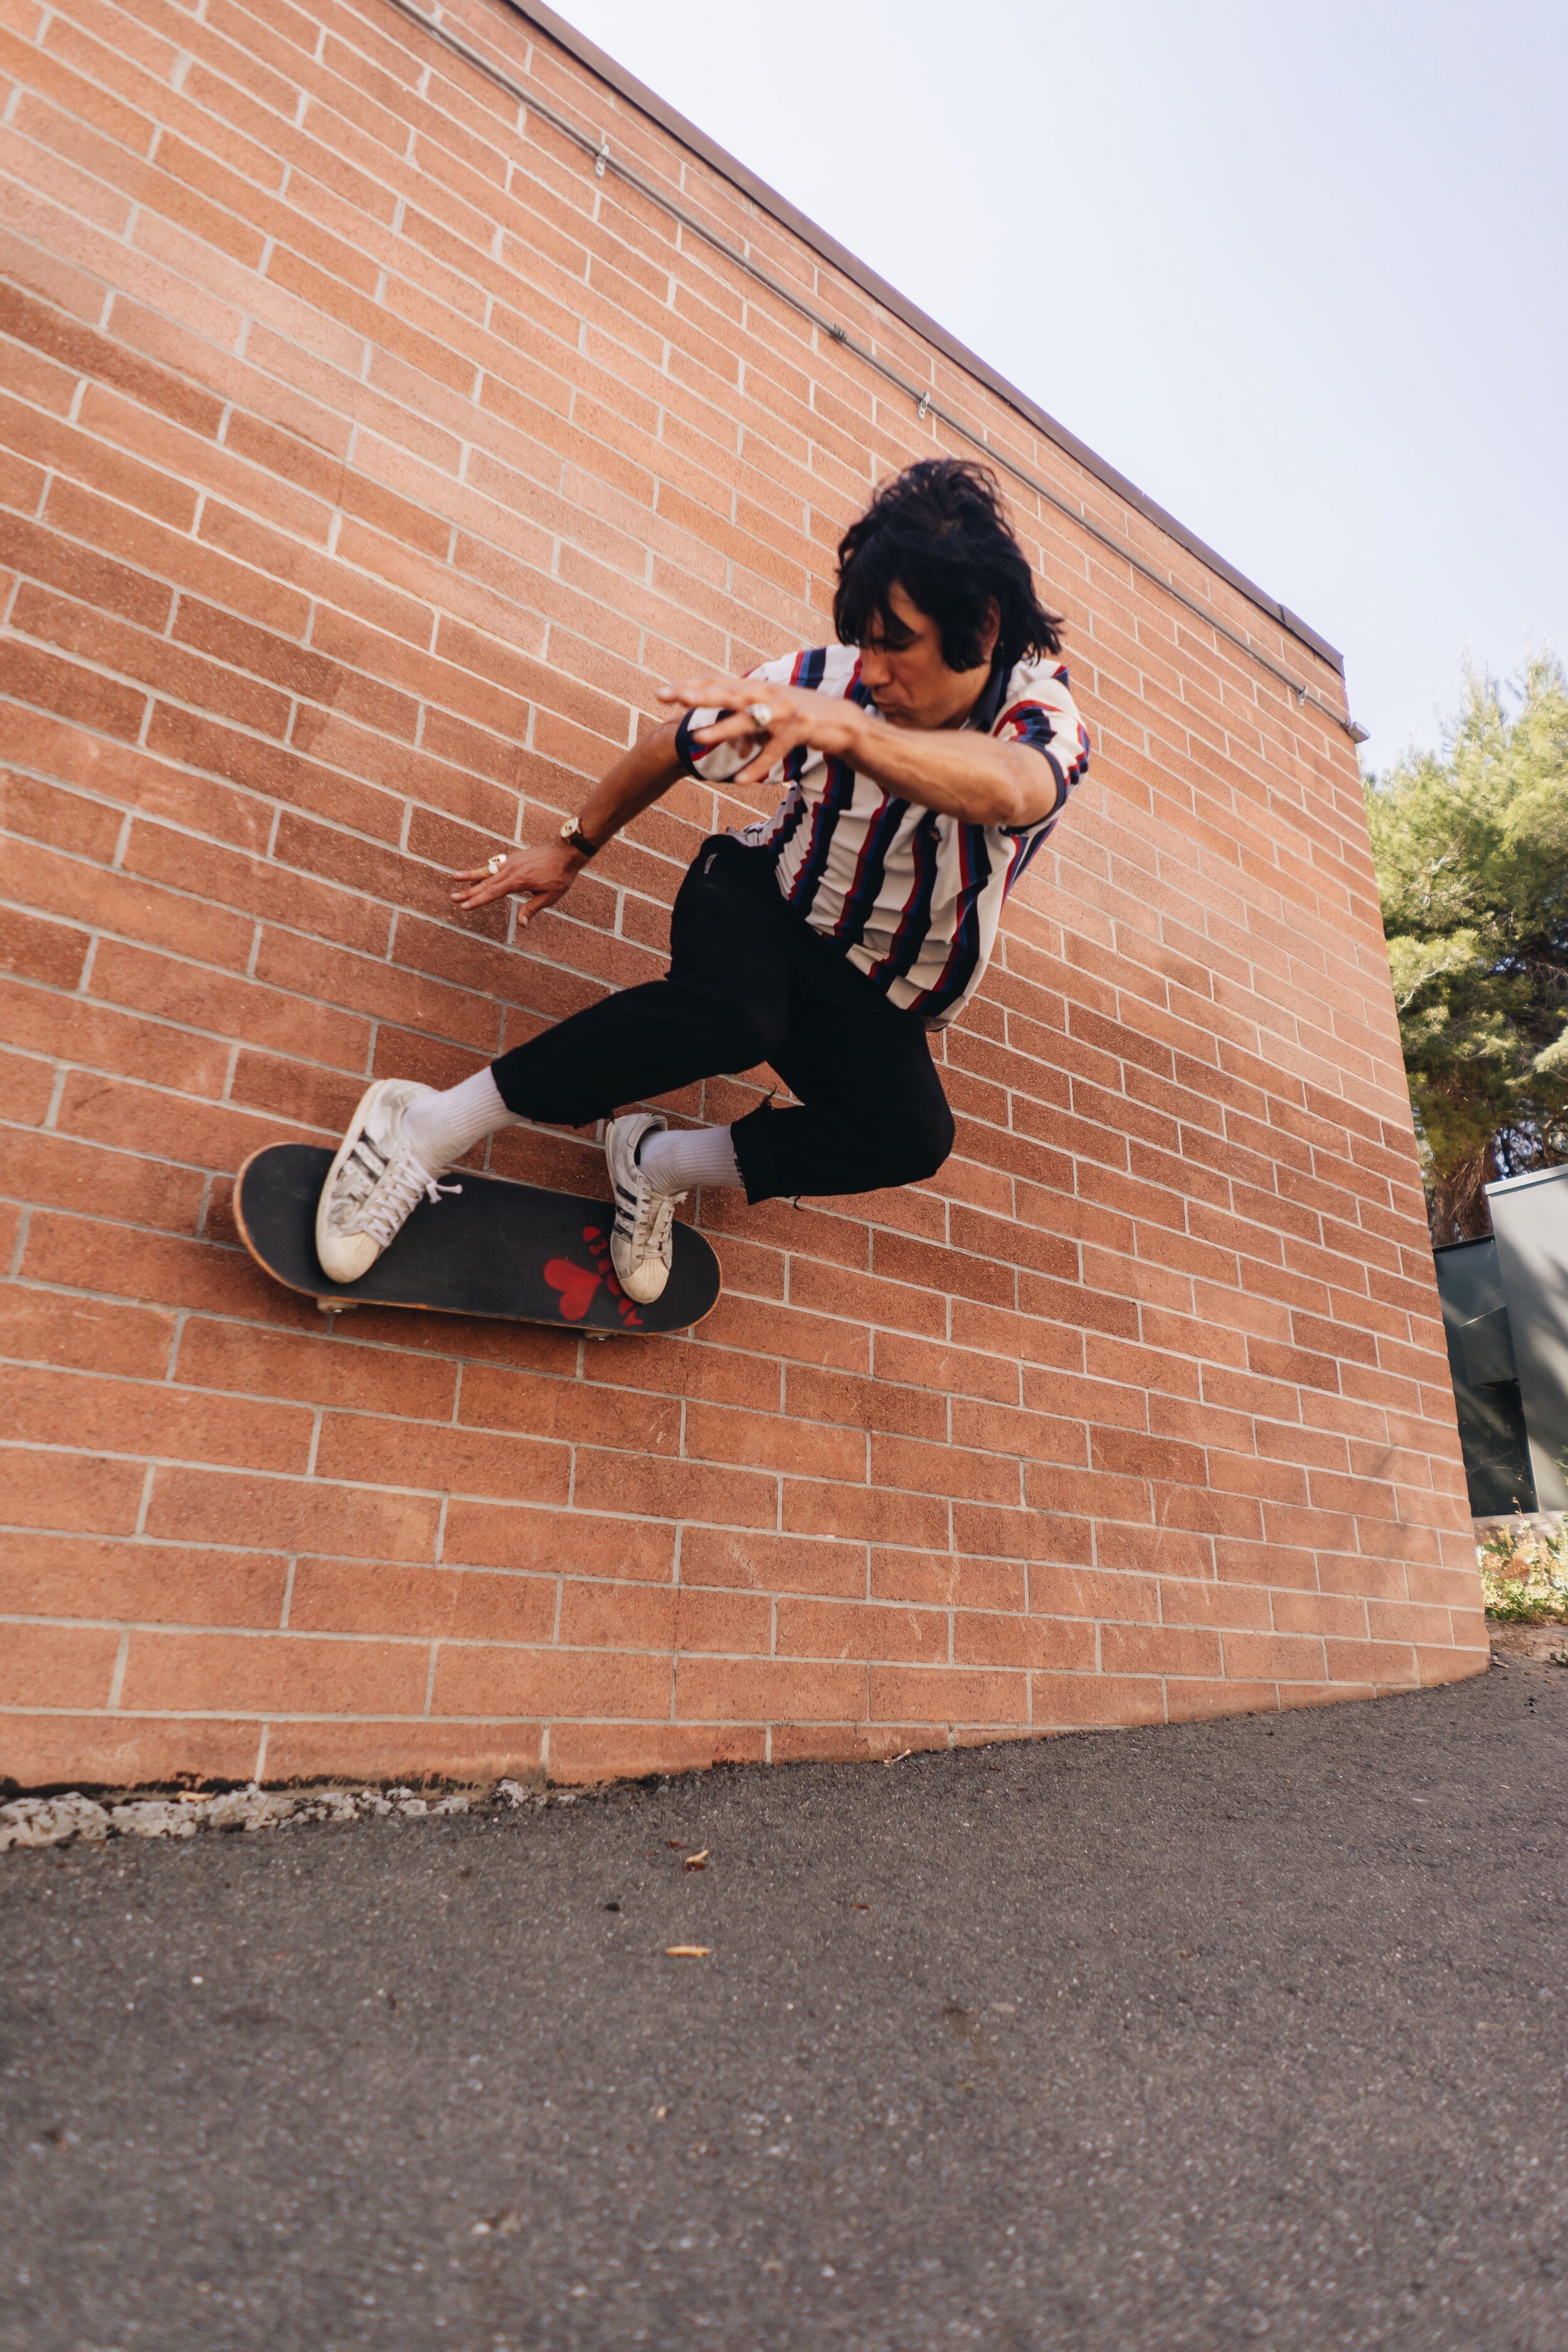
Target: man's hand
<point>775,719</point>
<point>956,771</point>
<point>540,876</point>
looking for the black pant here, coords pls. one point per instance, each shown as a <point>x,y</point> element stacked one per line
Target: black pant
<point>749,981</point>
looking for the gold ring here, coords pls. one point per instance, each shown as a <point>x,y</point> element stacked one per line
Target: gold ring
<point>496,862</point>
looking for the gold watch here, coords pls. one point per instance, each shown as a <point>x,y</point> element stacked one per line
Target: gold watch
<point>576,840</point>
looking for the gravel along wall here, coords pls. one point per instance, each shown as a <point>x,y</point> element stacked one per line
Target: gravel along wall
<point>374,442</point>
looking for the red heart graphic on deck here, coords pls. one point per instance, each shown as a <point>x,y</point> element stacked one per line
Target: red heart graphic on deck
<point>576,1285</point>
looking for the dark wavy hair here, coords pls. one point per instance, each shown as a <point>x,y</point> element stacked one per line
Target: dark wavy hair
<point>938,529</point>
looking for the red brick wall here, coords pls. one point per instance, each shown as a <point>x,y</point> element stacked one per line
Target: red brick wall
<point>368,461</point>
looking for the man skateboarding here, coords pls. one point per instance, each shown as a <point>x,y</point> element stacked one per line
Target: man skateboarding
<point>923,760</point>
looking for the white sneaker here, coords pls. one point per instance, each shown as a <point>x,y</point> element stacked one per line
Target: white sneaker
<point>375,1184</point>
<point>641,1244</point>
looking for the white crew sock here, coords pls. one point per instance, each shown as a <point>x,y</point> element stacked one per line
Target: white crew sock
<point>681,1158</point>
<point>441,1128</point>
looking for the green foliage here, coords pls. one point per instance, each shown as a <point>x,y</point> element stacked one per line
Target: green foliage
<point>1471,848</point>
<point>1524,1578</point>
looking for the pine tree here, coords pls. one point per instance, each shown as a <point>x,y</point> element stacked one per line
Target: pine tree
<point>1471,849</point>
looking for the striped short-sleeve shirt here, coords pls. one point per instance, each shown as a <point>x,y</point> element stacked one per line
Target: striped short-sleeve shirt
<point>913,897</point>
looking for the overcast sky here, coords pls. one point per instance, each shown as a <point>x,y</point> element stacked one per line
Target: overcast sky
<point>1298,272</point>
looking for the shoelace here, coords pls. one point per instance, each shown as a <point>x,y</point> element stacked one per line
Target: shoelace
<point>654,1228</point>
<point>400,1182</point>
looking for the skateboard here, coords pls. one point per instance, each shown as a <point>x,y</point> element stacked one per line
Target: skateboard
<point>510,1251</point>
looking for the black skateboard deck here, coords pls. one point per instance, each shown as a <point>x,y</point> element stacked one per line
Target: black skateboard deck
<point>505,1249</point>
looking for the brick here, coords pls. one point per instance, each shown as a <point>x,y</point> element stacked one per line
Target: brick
<point>44,555</point>
<point>38,949</point>
<point>1448,1666</point>
<point>495,1397</point>
<point>1372,1661</point>
<point>292,1515</point>
<point>317,1367</point>
<point>56,1665</point>
<point>1050,1645</point>
<point>376,1749</point>
<point>1196,1700</point>
<point>1158,1650</point>
<point>767,1690</point>
<point>745,1560</point>
<point>86,353</point>
<point>95,473</point>
<point>76,628</point>
<point>576,1543</point>
<point>1283,1657</point>
<point>284,1674</point>
<point>152,1419</point>
<point>1074,1701</point>
<point>587,1752</point>
<point>948,1580</point>
<point>355,1597</point>
<point>34,674</point>
<point>948,1695</point>
<point>818,1629</point>
<point>448,1460</point>
<point>82,1577</point>
<point>863,1513</point>
<point>491,1678</point>
<point>46,1327</point>
<point>730,1623</point>
<point>676,1490</point>
<point>73,1492</point>
<point>768,1442</point>
<point>126,904</point>
<point>66,820</point>
<point>114,1751</point>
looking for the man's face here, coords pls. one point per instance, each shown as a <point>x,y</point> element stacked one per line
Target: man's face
<point>902,669</point>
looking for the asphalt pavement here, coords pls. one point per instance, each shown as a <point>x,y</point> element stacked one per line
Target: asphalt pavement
<point>1246,2032</point>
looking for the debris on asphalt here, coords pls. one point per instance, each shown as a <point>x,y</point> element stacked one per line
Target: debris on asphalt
<point>245,1809</point>
<point>30,1821</point>
<point>687,1951</point>
<point>154,1818</point>
<point>696,1861</point>
<point>52,1821</point>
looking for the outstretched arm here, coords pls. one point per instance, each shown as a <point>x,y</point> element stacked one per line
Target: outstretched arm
<point>541,875</point>
<point>957,770</point>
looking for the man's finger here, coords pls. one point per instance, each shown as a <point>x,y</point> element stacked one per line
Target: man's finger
<point>690,689</point>
<point>735,727</point>
<point>758,770</point>
<point>483,888</point>
<point>539,901</point>
<point>697,693</point>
